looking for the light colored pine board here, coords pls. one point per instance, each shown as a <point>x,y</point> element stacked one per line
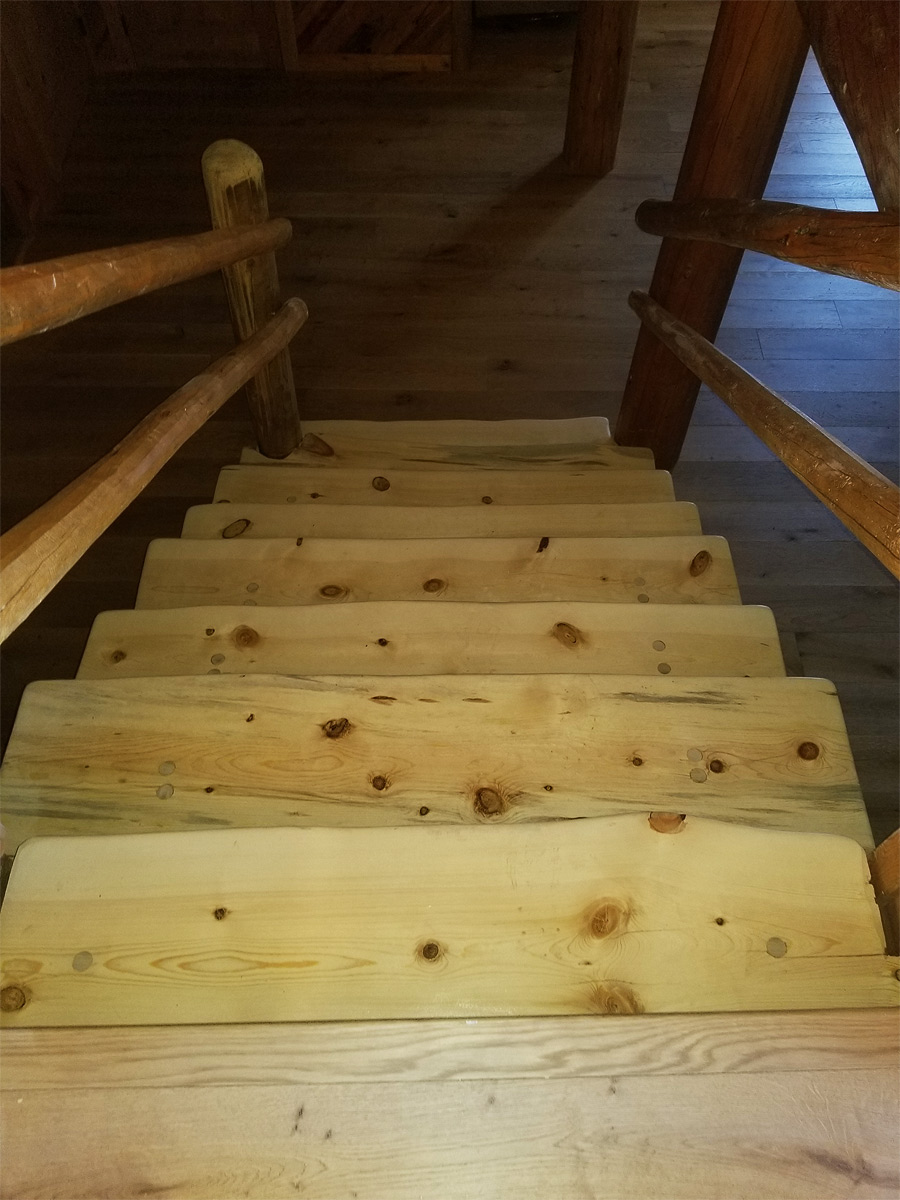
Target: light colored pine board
<point>354,485</point>
<point>665,570</point>
<point>465,521</point>
<point>128,756</point>
<point>412,638</point>
<point>791,1136</point>
<point>494,1048</point>
<point>597,916</point>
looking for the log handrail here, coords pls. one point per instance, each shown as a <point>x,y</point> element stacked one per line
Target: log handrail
<point>861,497</point>
<point>44,295</point>
<point>859,245</point>
<point>36,553</point>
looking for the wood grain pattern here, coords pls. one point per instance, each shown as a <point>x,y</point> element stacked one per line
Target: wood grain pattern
<point>653,519</point>
<point>122,756</point>
<point>885,863</point>
<point>412,638</point>
<point>597,916</point>
<point>655,570</point>
<point>601,1138</point>
<point>382,487</point>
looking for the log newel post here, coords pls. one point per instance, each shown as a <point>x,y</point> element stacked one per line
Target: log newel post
<point>754,64</point>
<point>235,189</point>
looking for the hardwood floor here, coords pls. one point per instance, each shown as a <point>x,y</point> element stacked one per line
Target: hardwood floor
<point>453,270</point>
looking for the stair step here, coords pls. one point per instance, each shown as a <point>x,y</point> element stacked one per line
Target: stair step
<point>667,570</point>
<point>518,443</point>
<point>354,485</point>
<point>113,756</point>
<point>414,638</point>
<point>466,521</point>
<point>342,924</point>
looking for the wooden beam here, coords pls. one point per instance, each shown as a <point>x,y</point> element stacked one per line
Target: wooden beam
<point>607,915</point>
<point>41,296</point>
<point>857,44</point>
<point>751,75</point>
<point>885,865</point>
<point>600,68</point>
<point>36,553</point>
<point>861,497</point>
<point>859,245</point>
<point>235,189</point>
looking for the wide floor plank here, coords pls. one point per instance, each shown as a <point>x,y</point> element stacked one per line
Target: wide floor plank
<point>123,756</point>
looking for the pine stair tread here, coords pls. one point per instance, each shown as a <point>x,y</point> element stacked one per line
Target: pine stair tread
<point>409,637</point>
<point>355,485</point>
<point>125,755</point>
<point>613,915</point>
<point>462,521</point>
<point>691,569</point>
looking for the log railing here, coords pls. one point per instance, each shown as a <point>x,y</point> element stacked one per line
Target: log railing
<point>37,552</point>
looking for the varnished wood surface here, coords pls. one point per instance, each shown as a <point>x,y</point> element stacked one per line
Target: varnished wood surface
<point>452,271</point>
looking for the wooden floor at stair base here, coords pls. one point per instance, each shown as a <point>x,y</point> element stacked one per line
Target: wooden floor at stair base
<point>465,521</point>
<point>671,570</point>
<point>128,756</point>
<point>598,916</point>
<point>411,638</point>
<point>396,488</point>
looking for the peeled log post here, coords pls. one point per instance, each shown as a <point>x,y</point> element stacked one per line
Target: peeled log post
<point>857,45</point>
<point>44,295</point>
<point>600,68</point>
<point>235,189</point>
<point>755,60</point>
<point>860,245</point>
<point>36,553</point>
<point>861,497</point>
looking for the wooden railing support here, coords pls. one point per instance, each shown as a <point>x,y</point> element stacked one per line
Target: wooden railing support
<point>857,44</point>
<point>36,553</point>
<point>44,295</point>
<point>600,68</point>
<point>861,497</point>
<point>860,245</point>
<point>235,189</point>
<point>754,64</point>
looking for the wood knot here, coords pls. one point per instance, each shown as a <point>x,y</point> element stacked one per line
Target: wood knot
<point>117,656</point>
<point>543,544</point>
<point>489,803</point>
<point>313,444</point>
<point>665,822</point>
<point>716,766</point>
<point>244,637</point>
<point>380,484</point>
<point>332,590</point>
<point>424,811</point>
<point>700,562</point>
<point>380,782</point>
<point>808,751</point>
<point>606,918</point>
<point>567,635</point>
<point>236,528</point>
<point>434,585</point>
<point>220,913</point>
<point>338,727</point>
<point>487,500</point>
<point>430,951</point>
<point>12,999</point>
<point>614,998</point>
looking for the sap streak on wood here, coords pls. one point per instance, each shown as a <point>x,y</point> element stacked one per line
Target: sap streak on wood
<point>804,1135</point>
<point>84,756</point>
<point>179,571</point>
<point>410,1051</point>
<point>857,44</point>
<point>866,501</point>
<point>412,638</point>
<point>600,69</point>
<point>860,245</point>
<point>464,521</point>
<point>385,487</point>
<point>754,63</point>
<point>235,189</point>
<point>597,916</point>
<point>36,553</point>
<point>885,861</point>
<point>40,296</point>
